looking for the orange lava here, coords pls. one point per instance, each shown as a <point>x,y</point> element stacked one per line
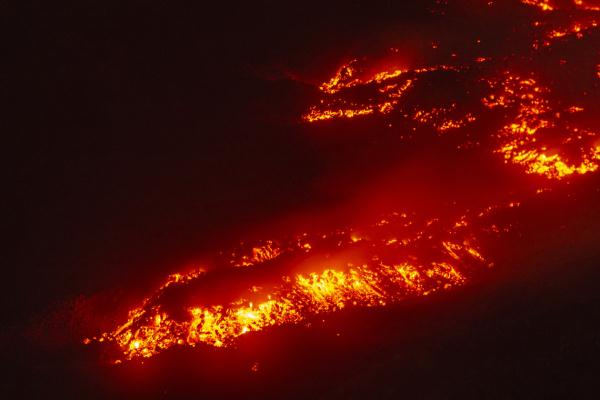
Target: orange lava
<point>551,5</point>
<point>399,255</point>
<point>391,265</point>
<point>526,139</point>
<point>520,139</point>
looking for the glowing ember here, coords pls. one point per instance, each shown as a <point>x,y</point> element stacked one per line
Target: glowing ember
<point>542,4</point>
<point>439,119</point>
<point>258,254</point>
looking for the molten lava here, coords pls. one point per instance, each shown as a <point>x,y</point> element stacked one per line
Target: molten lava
<point>400,255</point>
<point>532,115</point>
<point>391,259</point>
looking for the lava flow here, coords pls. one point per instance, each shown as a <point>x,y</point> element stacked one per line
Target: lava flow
<point>502,105</point>
<point>371,266</point>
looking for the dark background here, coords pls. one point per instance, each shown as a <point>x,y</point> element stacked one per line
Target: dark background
<point>149,133</point>
<point>151,128</point>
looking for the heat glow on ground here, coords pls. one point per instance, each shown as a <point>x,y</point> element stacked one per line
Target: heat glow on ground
<point>538,131</point>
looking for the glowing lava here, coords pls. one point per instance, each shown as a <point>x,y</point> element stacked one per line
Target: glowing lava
<point>551,5</point>
<point>391,259</point>
<point>400,255</point>
<point>541,135</point>
<point>535,115</point>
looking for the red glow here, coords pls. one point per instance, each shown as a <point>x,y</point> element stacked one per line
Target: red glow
<point>541,133</point>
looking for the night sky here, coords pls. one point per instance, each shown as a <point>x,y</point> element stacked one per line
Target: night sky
<point>152,136</point>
